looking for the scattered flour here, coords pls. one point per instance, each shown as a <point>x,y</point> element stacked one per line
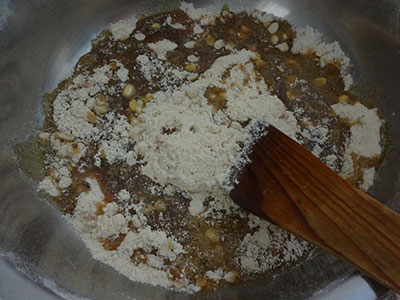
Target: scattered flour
<point>140,36</point>
<point>93,227</point>
<point>197,29</point>
<point>174,25</point>
<point>365,126</point>
<point>162,48</point>
<point>219,44</point>
<point>47,185</point>
<point>185,145</point>
<point>205,15</point>
<point>190,44</point>
<point>192,58</point>
<point>309,39</point>
<point>160,73</point>
<point>260,244</point>
<point>198,154</point>
<point>122,29</point>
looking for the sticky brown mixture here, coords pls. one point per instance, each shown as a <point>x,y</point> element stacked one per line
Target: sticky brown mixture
<point>305,88</point>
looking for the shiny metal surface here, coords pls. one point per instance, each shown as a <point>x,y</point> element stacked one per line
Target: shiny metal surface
<point>41,40</point>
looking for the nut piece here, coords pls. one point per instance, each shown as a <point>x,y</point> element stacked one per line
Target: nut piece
<point>244,28</point>
<point>320,81</point>
<point>291,94</point>
<point>160,205</point>
<point>212,96</point>
<point>243,35</point>
<point>65,136</point>
<point>273,28</point>
<point>230,31</point>
<point>101,100</point>
<point>274,39</point>
<point>212,235</point>
<point>191,67</point>
<point>73,148</point>
<point>260,63</point>
<point>284,36</point>
<point>44,136</point>
<point>133,106</point>
<point>283,47</point>
<point>291,78</point>
<point>129,91</point>
<point>92,118</point>
<point>156,26</point>
<point>101,109</point>
<point>210,40</point>
<point>147,97</point>
<point>343,98</point>
<point>201,282</point>
<point>113,65</point>
<point>226,13</point>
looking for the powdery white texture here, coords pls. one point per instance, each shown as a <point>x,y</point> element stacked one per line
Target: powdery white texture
<point>122,72</point>
<point>196,205</point>
<point>309,39</point>
<point>72,105</point>
<point>220,274</point>
<point>368,178</point>
<point>160,73</point>
<point>48,186</point>
<point>71,109</point>
<point>120,259</point>
<point>59,180</point>
<point>117,139</point>
<point>260,243</point>
<point>112,223</point>
<point>168,21</point>
<point>122,29</point>
<point>207,143</point>
<point>197,154</point>
<point>204,14</point>
<point>263,17</point>
<point>216,275</point>
<point>162,48</point>
<point>365,136</point>
<point>366,127</point>
<point>86,207</point>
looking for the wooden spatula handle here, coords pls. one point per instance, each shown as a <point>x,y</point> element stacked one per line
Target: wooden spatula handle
<point>290,187</point>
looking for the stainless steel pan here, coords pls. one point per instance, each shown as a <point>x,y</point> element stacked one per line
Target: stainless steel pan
<point>41,40</point>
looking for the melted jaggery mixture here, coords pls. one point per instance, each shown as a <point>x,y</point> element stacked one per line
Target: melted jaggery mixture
<point>211,243</point>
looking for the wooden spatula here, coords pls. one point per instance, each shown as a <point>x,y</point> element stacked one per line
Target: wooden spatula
<point>288,186</point>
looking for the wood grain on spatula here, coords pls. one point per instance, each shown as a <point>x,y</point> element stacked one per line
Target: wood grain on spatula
<point>288,186</point>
